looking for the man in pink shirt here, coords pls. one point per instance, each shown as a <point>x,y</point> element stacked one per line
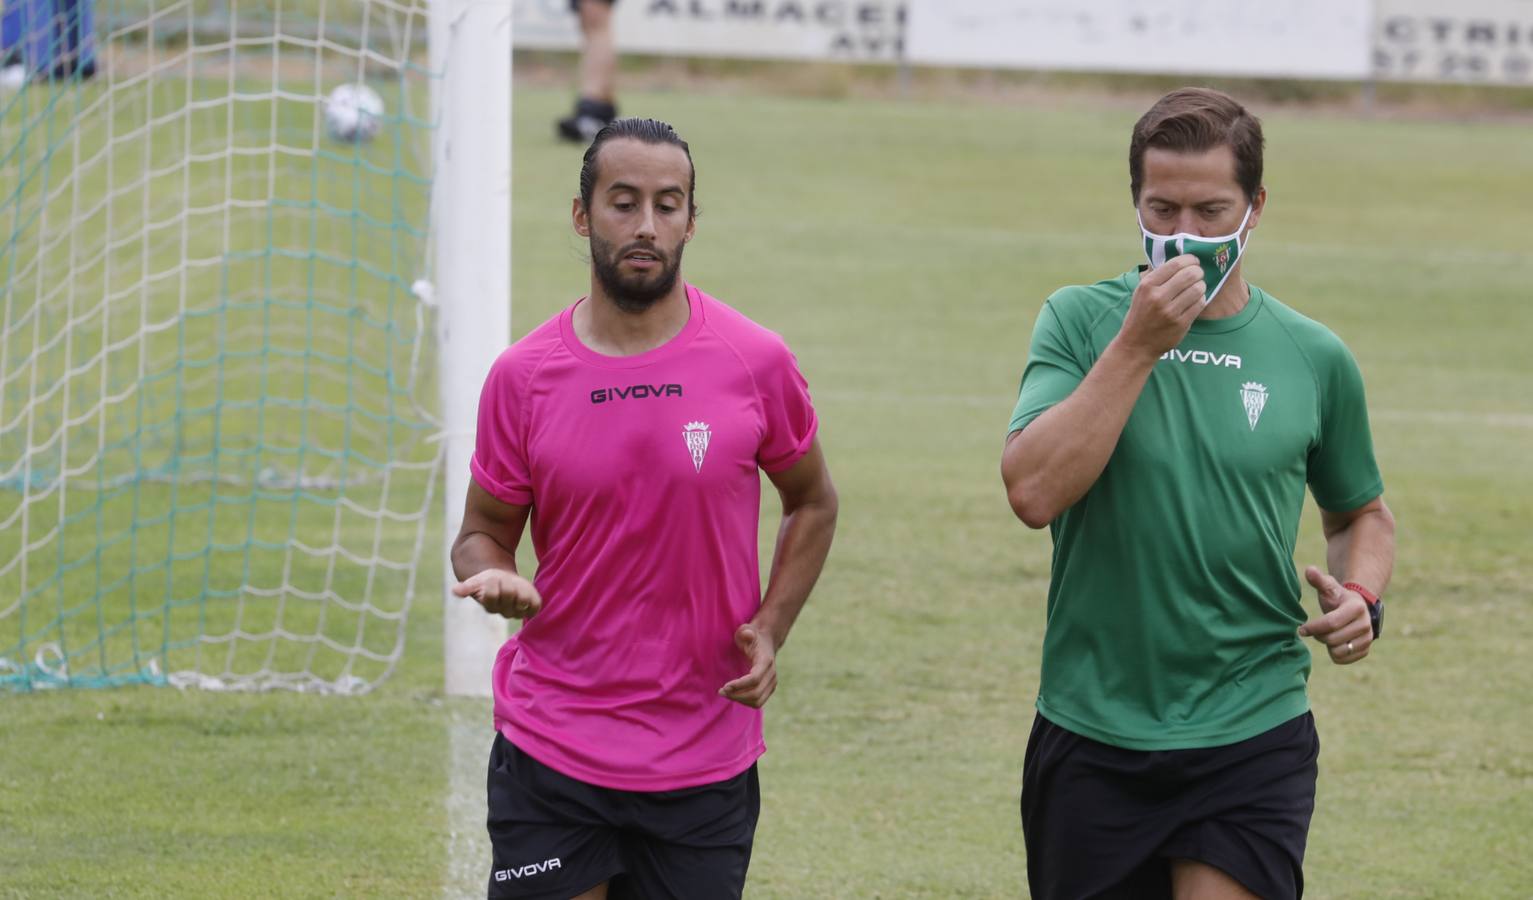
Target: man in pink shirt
<point>630,428</point>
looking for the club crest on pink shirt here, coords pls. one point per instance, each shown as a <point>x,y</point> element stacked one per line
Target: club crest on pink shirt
<point>697,436</point>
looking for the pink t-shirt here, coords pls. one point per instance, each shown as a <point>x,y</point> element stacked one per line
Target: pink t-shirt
<point>641,472</point>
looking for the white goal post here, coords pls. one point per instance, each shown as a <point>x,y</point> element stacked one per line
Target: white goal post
<point>471,48</point>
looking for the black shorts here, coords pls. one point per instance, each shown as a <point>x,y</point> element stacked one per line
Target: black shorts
<point>1102,821</point>
<point>555,837</point>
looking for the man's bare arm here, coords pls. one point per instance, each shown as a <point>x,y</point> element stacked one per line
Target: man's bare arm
<point>1054,461</point>
<point>1360,545</point>
<point>484,555</point>
<point>1359,548</point>
<point>809,508</point>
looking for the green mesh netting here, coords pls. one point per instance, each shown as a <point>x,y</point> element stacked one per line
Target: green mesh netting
<point>216,462</point>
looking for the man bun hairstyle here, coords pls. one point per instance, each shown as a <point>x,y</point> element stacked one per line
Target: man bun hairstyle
<point>1196,120</point>
<point>649,131</point>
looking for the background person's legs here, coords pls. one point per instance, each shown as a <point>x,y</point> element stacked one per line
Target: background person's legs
<point>598,58</point>
<point>595,106</point>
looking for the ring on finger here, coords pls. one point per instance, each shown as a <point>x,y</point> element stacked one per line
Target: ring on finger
<point>1349,648</point>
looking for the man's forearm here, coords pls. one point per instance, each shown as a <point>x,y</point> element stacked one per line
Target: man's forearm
<point>1056,459</point>
<point>803,543</point>
<point>1364,551</point>
<point>476,551</point>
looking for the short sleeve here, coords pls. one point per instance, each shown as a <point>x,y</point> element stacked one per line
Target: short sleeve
<point>499,463</point>
<point>791,422</point>
<point>1343,474</point>
<point>1052,373</point>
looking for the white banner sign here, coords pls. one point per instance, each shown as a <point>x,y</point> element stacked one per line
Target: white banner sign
<point>846,30</point>
<point>1487,41</point>
<point>543,25</point>
<point>1298,38</point>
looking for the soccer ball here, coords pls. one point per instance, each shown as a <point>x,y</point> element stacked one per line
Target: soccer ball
<point>13,77</point>
<point>353,113</point>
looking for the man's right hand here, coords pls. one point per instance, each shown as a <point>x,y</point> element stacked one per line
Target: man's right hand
<point>502,593</point>
<point>1164,306</point>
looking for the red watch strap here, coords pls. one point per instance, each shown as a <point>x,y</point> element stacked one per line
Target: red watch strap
<point>1368,595</point>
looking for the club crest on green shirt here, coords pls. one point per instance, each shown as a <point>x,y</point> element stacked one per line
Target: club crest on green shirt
<point>1254,396</point>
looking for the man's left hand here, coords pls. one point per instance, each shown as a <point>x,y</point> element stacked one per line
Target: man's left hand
<point>754,689</point>
<point>1344,627</point>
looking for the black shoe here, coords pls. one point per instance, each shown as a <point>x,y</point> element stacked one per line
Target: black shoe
<point>590,117</point>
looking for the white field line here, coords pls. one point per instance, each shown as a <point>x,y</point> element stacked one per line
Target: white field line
<point>469,734</point>
<point>1004,402</point>
<point>1012,238</point>
<point>1450,417</point>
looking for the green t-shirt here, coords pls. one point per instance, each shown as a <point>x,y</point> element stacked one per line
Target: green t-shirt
<point>1174,602</point>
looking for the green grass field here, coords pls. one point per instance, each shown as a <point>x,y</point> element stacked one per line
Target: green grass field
<point>903,249</point>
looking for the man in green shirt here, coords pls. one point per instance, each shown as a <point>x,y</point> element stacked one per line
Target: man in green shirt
<point>1168,422</point>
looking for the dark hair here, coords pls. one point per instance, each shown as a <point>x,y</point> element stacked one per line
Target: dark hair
<point>1195,120</point>
<point>649,131</point>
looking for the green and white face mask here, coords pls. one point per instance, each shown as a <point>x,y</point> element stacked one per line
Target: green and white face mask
<point>1217,255</point>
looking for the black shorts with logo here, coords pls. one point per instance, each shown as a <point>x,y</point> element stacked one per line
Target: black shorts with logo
<point>554,837</point>
<point>1102,821</point>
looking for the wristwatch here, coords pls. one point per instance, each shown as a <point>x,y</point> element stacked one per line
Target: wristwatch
<point>1375,606</point>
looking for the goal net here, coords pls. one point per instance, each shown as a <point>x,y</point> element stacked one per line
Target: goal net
<point>218,446</point>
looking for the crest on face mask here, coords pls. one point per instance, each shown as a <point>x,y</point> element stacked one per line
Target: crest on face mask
<point>1222,257</point>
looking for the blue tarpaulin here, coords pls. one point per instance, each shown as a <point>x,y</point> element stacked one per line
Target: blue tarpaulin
<point>52,38</point>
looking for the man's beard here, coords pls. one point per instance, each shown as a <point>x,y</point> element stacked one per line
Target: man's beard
<point>638,292</point>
